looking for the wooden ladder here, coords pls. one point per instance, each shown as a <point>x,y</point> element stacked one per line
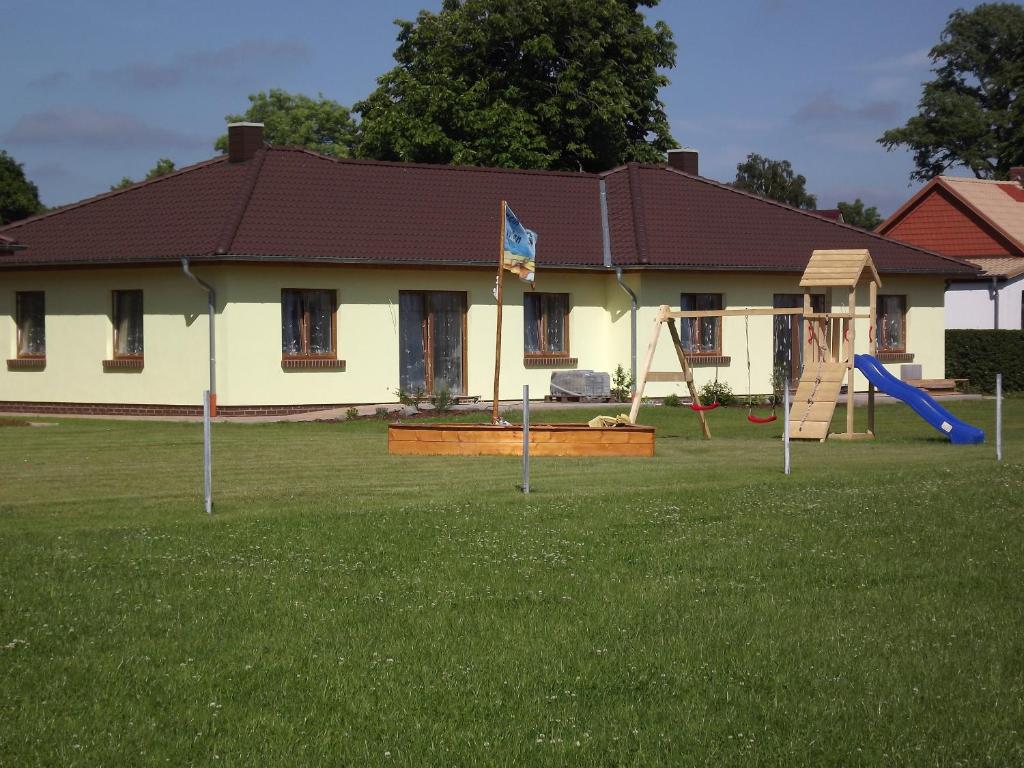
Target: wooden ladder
<point>815,400</point>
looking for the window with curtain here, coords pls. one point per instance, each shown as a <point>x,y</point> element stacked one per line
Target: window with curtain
<point>127,315</point>
<point>30,308</point>
<point>308,323</point>
<point>545,317</point>
<point>701,335</point>
<point>891,324</point>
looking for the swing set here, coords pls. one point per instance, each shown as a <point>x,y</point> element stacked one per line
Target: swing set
<point>666,316</point>
<point>829,343</point>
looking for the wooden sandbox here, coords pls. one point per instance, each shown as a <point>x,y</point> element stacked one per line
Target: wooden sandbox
<point>545,440</point>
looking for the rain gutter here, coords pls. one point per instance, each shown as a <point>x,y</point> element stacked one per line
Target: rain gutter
<point>211,300</point>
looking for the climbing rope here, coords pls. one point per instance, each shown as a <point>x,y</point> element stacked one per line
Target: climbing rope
<point>817,376</point>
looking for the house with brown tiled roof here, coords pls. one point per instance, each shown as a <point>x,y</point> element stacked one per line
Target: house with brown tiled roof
<point>980,221</point>
<point>288,280</point>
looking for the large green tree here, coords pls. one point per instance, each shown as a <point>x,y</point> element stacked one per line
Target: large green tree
<point>319,124</point>
<point>19,197</point>
<point>162,168</point>
<point>775,180</point>
<point>524,83</point>
<point>857,215</point>
<point>972,113</point>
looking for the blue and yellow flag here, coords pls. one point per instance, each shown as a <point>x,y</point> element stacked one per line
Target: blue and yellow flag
<point>519,247</point>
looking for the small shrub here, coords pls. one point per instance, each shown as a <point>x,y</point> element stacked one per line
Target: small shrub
<point>410,399</point>
<point>442,400</point>
<point>780,376</point>
<point>381,413</point>
<point>717,392</point>
<point>622,385</point>
<point>672,401</point>
<point>352,413</point>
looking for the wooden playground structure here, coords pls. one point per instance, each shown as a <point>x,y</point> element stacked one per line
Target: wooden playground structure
<point>828,351</point>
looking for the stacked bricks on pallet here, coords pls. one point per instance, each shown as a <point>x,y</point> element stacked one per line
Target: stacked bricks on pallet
<point>582,384</point>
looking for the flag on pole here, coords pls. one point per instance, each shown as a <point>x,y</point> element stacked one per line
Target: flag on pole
<point>519,248</point>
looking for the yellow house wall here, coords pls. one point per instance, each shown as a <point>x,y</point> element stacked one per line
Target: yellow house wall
<point>368,341</point>
<point>79,336</point>
<point>79,331</point>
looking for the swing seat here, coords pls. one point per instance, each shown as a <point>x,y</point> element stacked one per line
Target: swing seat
<point>761,419</point>
<point>708,407</point>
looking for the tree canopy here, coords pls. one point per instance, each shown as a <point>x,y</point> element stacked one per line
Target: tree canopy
<point>323,125</point>
<point>972,113</point>
<point>19,197</point>
<point>857,215</point>
<point>524,83</point>
<point>775,180</point>
<point>162,168</point>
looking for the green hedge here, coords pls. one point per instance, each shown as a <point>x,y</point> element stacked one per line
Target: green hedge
<point>979,355</point>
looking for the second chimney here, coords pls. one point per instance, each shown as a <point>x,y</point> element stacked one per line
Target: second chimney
<point>1017,174</point>
<point>244,140</point>
<point>684,160</point>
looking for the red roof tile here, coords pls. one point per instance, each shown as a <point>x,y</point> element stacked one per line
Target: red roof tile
<point>292,204</point>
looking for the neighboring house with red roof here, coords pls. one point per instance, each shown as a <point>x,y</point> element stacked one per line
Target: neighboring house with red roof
<point>339,281</point>
<point>982,222</point>
<point>833,214</point>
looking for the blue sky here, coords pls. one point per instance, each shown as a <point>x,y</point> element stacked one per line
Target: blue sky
<point>99,89</point>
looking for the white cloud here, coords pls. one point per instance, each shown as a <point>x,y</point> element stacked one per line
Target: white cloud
<point>86,127</point>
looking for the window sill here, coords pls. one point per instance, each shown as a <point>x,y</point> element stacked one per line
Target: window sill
<point>549,361</point>
<point>704,361</point>
<point>26,364</point>
<point>312,364</point>
<point>124,363</point>
<point>896,357</point>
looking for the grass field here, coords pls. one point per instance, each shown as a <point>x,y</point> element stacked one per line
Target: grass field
<point>345,607</point>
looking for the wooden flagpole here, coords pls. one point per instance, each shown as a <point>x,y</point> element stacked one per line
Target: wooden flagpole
<point>498,296</point>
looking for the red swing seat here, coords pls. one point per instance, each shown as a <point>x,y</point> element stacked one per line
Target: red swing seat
<point>708,407</point>
<point>761,419</point>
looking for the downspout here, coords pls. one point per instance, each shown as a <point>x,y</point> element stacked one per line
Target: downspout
<point>211,298</point>
<point>995,303</point>
<point>632,326</point>
<point>606,244</point>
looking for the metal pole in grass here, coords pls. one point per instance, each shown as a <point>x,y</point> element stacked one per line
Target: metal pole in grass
<point>526,438</point>
<point>785,425</point>
<point>207,456</point>
<point>999,417</point>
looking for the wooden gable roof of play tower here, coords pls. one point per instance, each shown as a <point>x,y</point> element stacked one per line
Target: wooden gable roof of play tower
<point>839,269</point>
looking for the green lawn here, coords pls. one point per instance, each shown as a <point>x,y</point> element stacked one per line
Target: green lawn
<point>345,607</point>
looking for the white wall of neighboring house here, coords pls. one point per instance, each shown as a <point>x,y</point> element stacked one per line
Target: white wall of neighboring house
<point>972,305</point>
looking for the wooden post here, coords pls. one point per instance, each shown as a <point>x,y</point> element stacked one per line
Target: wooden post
<point>498,296</point>
<point>872,348</point>
<point>785,426</point>
<point>638,395</point>
<point>851,337</point>
<point>688,375</point>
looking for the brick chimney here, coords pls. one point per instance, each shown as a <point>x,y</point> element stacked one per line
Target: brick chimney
<point>684,160</point>
<point>244,139</point>
<point>1017,174</point>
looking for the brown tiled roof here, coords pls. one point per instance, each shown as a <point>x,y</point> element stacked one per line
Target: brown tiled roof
<point>691,221</point>
<point>292,204</point>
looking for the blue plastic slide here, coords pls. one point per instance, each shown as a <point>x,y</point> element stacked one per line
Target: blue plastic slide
<point>958,432</point>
